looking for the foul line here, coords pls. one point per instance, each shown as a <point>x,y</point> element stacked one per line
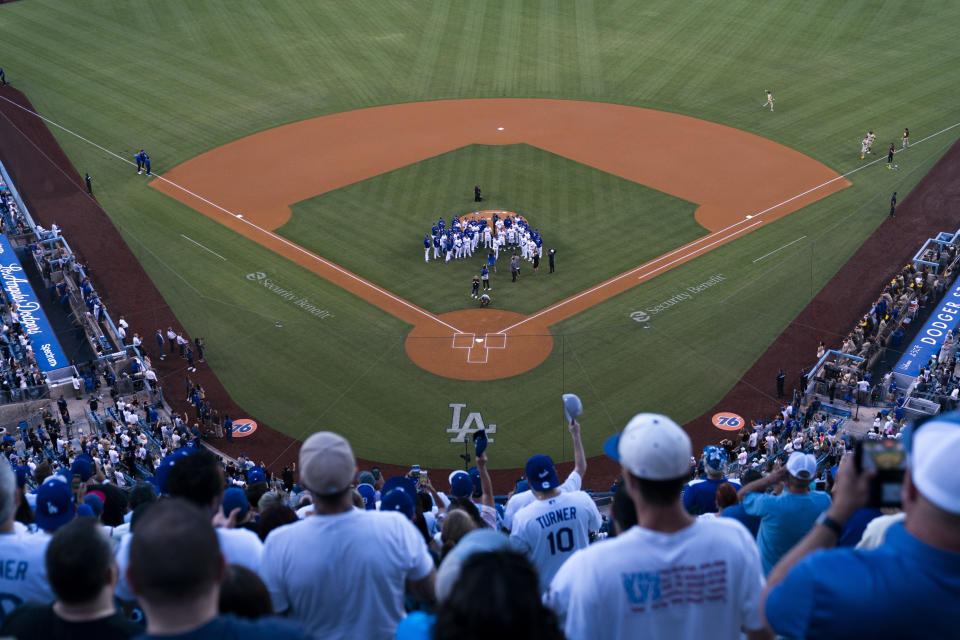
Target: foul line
<point>203,247</point>
<point>413,307</point>
<point>686,247</point>
<point>783,247</point>
<point>239,217</point>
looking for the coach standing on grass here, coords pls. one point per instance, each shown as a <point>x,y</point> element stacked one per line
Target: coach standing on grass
<point>893,203</point>
<point>514,267</point>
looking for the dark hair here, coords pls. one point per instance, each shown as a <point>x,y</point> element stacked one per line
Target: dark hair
<point>142,493</point>
<point>274,516</point>
<point>661,493</point>
<point>243,594</point>
<point>506,584</point>
<point>114,507</point>
<point>78,561</point>
<point>726,496</point>
<point>750,475</point>
<point>624,511</point>
<point>255,492</point>
<point>196,477</point>
<point>174,554</point>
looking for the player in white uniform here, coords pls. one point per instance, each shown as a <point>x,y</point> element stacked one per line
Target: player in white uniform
<point>871,136</point>
<point>770,99</point>
<point>864,147</point>
<point>573,482</point>
<point>22,556</point>
<point>487,237</point>
<point>556,525</point>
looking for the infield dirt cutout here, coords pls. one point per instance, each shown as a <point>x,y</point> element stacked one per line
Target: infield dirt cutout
<point>739,180</point>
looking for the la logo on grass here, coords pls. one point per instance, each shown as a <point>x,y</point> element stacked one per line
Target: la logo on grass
<point>472,423</point>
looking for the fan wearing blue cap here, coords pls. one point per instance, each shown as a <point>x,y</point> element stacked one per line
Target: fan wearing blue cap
<point>556,525</point>
<point>523,496</point>
<point>907,587</point>
<point>671,575</point>
<point>463,484</point>
<point>700,495</point>
<point>25,576</point>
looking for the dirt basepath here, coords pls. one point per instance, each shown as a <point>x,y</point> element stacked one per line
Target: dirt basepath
<point>739,181</point>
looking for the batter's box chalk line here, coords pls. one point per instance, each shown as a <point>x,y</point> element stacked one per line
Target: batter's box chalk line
<point>478,349</point>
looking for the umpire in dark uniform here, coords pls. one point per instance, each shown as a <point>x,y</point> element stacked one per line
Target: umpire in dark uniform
<point>477,194</point>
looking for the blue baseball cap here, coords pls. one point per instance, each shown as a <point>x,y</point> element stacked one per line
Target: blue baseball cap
<point>540,473</point>
<point>54,504</point>
<point>714,459</point>
<point>461,484</point>
<point>233,498</point>
<point>398,500</point>
<point>407,485</point>
<point>85,511</point>
<point>22,474</point>
<point>93,501</point>
<point>256,474</point>
<point>369,495</point>
<point>477,484</point>
<point>163,470</point>
<point>83,467</point>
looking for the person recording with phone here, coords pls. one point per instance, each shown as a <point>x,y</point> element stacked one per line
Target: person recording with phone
<point>906,587</point>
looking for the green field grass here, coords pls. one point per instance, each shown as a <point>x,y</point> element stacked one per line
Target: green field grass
<point>600,225</point>
<point>182,77</point>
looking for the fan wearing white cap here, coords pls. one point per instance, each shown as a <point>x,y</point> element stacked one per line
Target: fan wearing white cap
<point>670,576</point>
<point>784,518</point>
<point>906,588</point>
<point>556,525</point>
<point>343,572</point>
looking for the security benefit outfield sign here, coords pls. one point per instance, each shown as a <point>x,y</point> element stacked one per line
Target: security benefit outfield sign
<point>34,323</point>
<point>928,342</point>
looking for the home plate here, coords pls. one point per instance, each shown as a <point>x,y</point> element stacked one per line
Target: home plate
<point>479,339</point>
<point>749,217</point>
<point>499,128</point>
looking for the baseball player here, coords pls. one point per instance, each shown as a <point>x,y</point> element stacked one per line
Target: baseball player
<point>890,157</point>
<point>906,138</point>
<point>556,525</point>
<point>871,136</point>
<point>426,248</point>
<point>770,99</point>
<point>864,147</point>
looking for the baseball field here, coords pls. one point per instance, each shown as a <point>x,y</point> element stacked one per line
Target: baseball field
<point>301,150</point>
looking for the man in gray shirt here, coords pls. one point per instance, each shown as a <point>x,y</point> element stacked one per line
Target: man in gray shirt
<point>515,267</point>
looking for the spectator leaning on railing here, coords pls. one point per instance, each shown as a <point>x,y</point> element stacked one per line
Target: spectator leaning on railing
<point>906,588</point>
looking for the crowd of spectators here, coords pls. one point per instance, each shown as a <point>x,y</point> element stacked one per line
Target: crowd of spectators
<point>692,546</point>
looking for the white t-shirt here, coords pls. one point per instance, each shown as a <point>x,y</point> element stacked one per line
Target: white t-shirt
<point>238,546</point>
<point>344,576</point>
<point>704,581</point>
<point>550,531</point>
<point>520,500</point>
<point>23,571</point>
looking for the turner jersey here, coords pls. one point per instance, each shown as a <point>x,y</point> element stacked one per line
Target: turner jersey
<point>550,531</point>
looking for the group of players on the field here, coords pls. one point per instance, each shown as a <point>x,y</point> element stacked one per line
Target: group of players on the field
<point>467,233</point>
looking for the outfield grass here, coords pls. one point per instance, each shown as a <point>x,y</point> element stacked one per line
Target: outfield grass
<point>600,225</point>
<point>182,77</point>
